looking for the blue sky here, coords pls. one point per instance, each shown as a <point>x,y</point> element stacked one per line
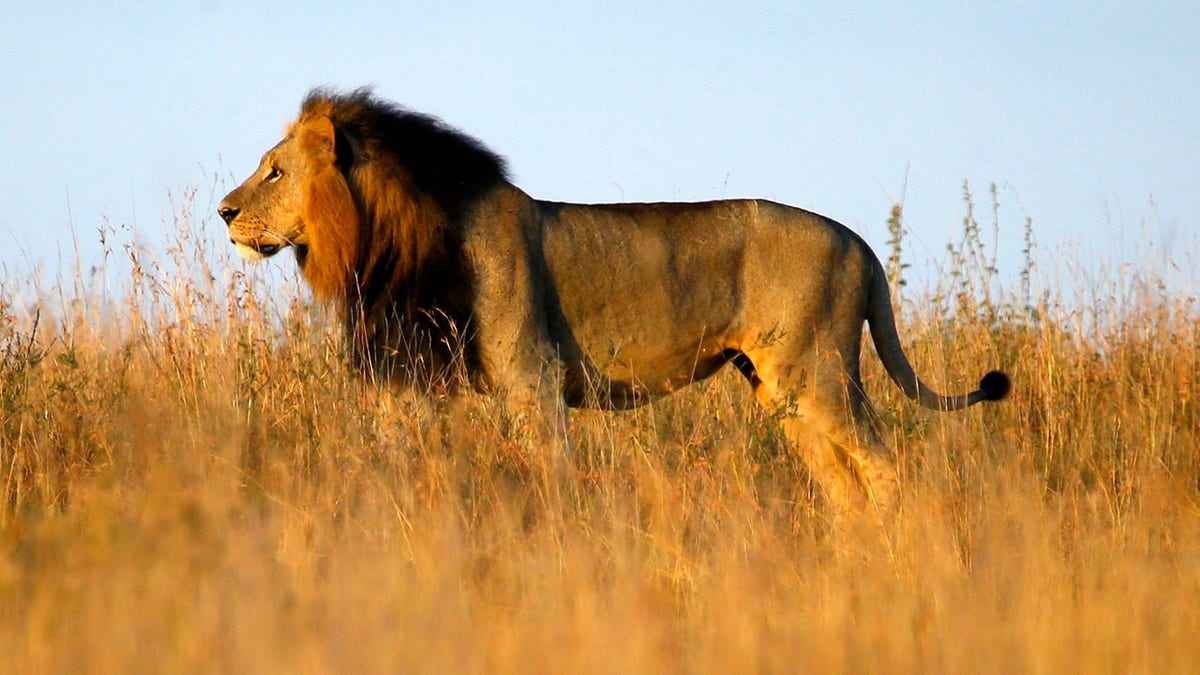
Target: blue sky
<point>1086,116</point>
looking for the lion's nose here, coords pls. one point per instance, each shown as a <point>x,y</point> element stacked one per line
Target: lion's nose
<point>228,213</point>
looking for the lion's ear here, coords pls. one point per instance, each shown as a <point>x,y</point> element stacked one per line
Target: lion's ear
<point>328,144</point>
<point>318,137</point>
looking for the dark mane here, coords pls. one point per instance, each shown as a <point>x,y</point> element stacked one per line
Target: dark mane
<point>387,194</point>
<point>448,165</point>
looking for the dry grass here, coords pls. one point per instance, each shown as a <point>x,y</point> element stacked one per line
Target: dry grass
<point>192,481</point>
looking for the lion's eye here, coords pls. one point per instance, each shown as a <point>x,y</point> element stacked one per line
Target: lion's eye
<point>275,175</point>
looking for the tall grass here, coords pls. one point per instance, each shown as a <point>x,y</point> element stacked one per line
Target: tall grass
<point>193,480</point>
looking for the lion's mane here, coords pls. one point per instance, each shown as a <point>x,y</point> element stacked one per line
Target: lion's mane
<point>384,191</point>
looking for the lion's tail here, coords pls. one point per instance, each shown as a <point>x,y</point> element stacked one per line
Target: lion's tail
<point>882,320</point>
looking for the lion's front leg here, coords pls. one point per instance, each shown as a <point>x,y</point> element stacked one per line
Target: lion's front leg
<point>522,374</point>
<point>513,340</point>
<point>535,422</point>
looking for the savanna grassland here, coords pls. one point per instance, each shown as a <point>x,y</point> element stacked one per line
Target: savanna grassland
<point>193,481</point>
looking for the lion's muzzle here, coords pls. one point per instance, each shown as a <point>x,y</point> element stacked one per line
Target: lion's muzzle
<point>251,243</point>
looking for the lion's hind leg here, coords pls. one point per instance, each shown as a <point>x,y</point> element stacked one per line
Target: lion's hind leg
<point>828,420</point>
<point>852,432</point>
<point>826,464</point>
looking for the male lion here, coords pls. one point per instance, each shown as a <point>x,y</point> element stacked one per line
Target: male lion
<point>444,272</point>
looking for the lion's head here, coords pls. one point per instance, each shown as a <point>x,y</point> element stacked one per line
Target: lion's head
<point>300,197</point>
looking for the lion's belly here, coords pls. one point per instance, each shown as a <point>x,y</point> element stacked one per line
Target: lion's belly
<point>633,376</point>
<point>630,343</point>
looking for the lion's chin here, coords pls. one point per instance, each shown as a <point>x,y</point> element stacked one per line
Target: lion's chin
<point>258,252</point>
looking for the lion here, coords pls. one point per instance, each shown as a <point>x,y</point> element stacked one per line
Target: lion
<point>446,275</point>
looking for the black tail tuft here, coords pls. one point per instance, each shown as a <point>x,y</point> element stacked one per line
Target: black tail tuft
<point>995,385</point>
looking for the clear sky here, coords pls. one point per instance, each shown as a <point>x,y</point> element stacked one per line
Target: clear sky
<point>1087,114</point>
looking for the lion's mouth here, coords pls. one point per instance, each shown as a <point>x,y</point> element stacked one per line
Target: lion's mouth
<point>268,250</point>
<point>256,250</point>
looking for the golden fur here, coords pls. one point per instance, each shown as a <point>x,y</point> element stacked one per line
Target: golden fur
<point>328,210</point>
<point>445,272</point>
